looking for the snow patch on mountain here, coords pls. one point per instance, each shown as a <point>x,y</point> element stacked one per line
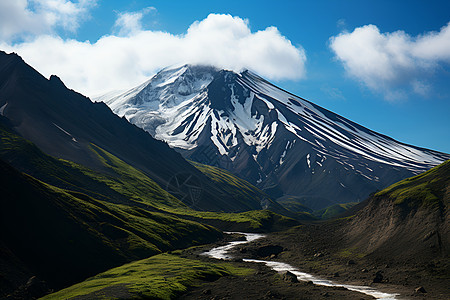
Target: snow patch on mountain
<point>176,106</point>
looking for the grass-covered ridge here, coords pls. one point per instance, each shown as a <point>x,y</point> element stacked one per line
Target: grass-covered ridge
<point>239,188</point>
<point>251,221</point>
<point>424,189</point>
<point>74,234</point>
<point>248,195</point>
<point>119,183</point>
<point>129,182</point>
<point>163,276</point>
<point>123,184</point>
<point>293,205</point>
<point>80,222</point>
<point>334,210</point>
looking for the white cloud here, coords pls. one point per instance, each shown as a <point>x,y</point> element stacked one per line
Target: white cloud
<point>129,23</point>
<point>21,18</point>
<point>115,62</point>
<point>394,64</point>
<point>67,14</point>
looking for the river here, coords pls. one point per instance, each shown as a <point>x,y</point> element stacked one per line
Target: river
<point>222,253</point>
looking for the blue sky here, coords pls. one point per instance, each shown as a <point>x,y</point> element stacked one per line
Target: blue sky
<point>383,64</point>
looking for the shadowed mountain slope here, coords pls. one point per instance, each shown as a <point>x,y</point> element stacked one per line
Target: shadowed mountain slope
<point>66,125</point>
<point>63,237</point>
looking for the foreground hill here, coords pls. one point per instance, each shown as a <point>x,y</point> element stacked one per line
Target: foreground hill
<point>409,220</point>
<point>118,182</point>
<point>98,220</point>
<point>285,145</point>
<point>397,240</point>
<point>63,237</point>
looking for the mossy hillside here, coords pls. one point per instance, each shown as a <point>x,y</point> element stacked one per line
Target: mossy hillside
<point>334,210</point>
<point>126,185</point>
<point>46,237</point>
<point>290,203</point>
<point>71,233</point>
<point>251,221</point>
<point>244,192</point>
<point>120,183</point>
<point>145,229</point>
<point>163,276</point>
<point>27,158</point>
<point>130,182</point>
<point>123,184</point>
<point>235,186</point>
<point>426,189</point>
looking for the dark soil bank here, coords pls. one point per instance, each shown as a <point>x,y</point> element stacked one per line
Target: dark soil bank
<point>263,283</point>
<point>267,284</point>
<point>321,250</point>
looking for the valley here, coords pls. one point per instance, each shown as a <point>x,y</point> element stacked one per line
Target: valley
<point>122,200</point>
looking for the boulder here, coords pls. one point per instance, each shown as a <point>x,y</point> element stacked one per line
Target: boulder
<point>206,292</point>
<point>268,250</point>
<point>378,277</point>
<point>420,289</point>
<point>289,277</point>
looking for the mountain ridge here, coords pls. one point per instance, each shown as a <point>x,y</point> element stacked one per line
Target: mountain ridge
<point>64,124</point>
<point>275,140</point>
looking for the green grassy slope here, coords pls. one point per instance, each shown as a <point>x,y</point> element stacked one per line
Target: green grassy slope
<point>162,276</point>
<point>249,221</point>
<point>294,206</point>
<point>334,210</point>
<point>120,183</point>
<point>78,222</point>
<point>238,188</point>
<point>426,189</point>
<point>63,237</point>
<point>121,212</point>
<point>245,192</point>
<point>408,221</point>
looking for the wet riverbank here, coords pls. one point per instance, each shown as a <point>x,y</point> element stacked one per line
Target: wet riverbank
<point>260,283</point>
<point>223,252</point>
<point>320,250</point>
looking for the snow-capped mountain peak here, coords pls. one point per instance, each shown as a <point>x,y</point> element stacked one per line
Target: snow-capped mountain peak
<point>247,125</point>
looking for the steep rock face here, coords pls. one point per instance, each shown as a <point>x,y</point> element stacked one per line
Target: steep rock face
<point>279,142</point>
<point>408,220</point>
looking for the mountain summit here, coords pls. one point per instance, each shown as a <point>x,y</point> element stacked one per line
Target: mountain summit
<point>282,143</point>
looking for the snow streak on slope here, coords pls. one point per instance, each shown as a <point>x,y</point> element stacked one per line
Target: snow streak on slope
<point>177,105</point>
<point>282,143</point>
<point>165,102</point>
<point>326,126</point>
